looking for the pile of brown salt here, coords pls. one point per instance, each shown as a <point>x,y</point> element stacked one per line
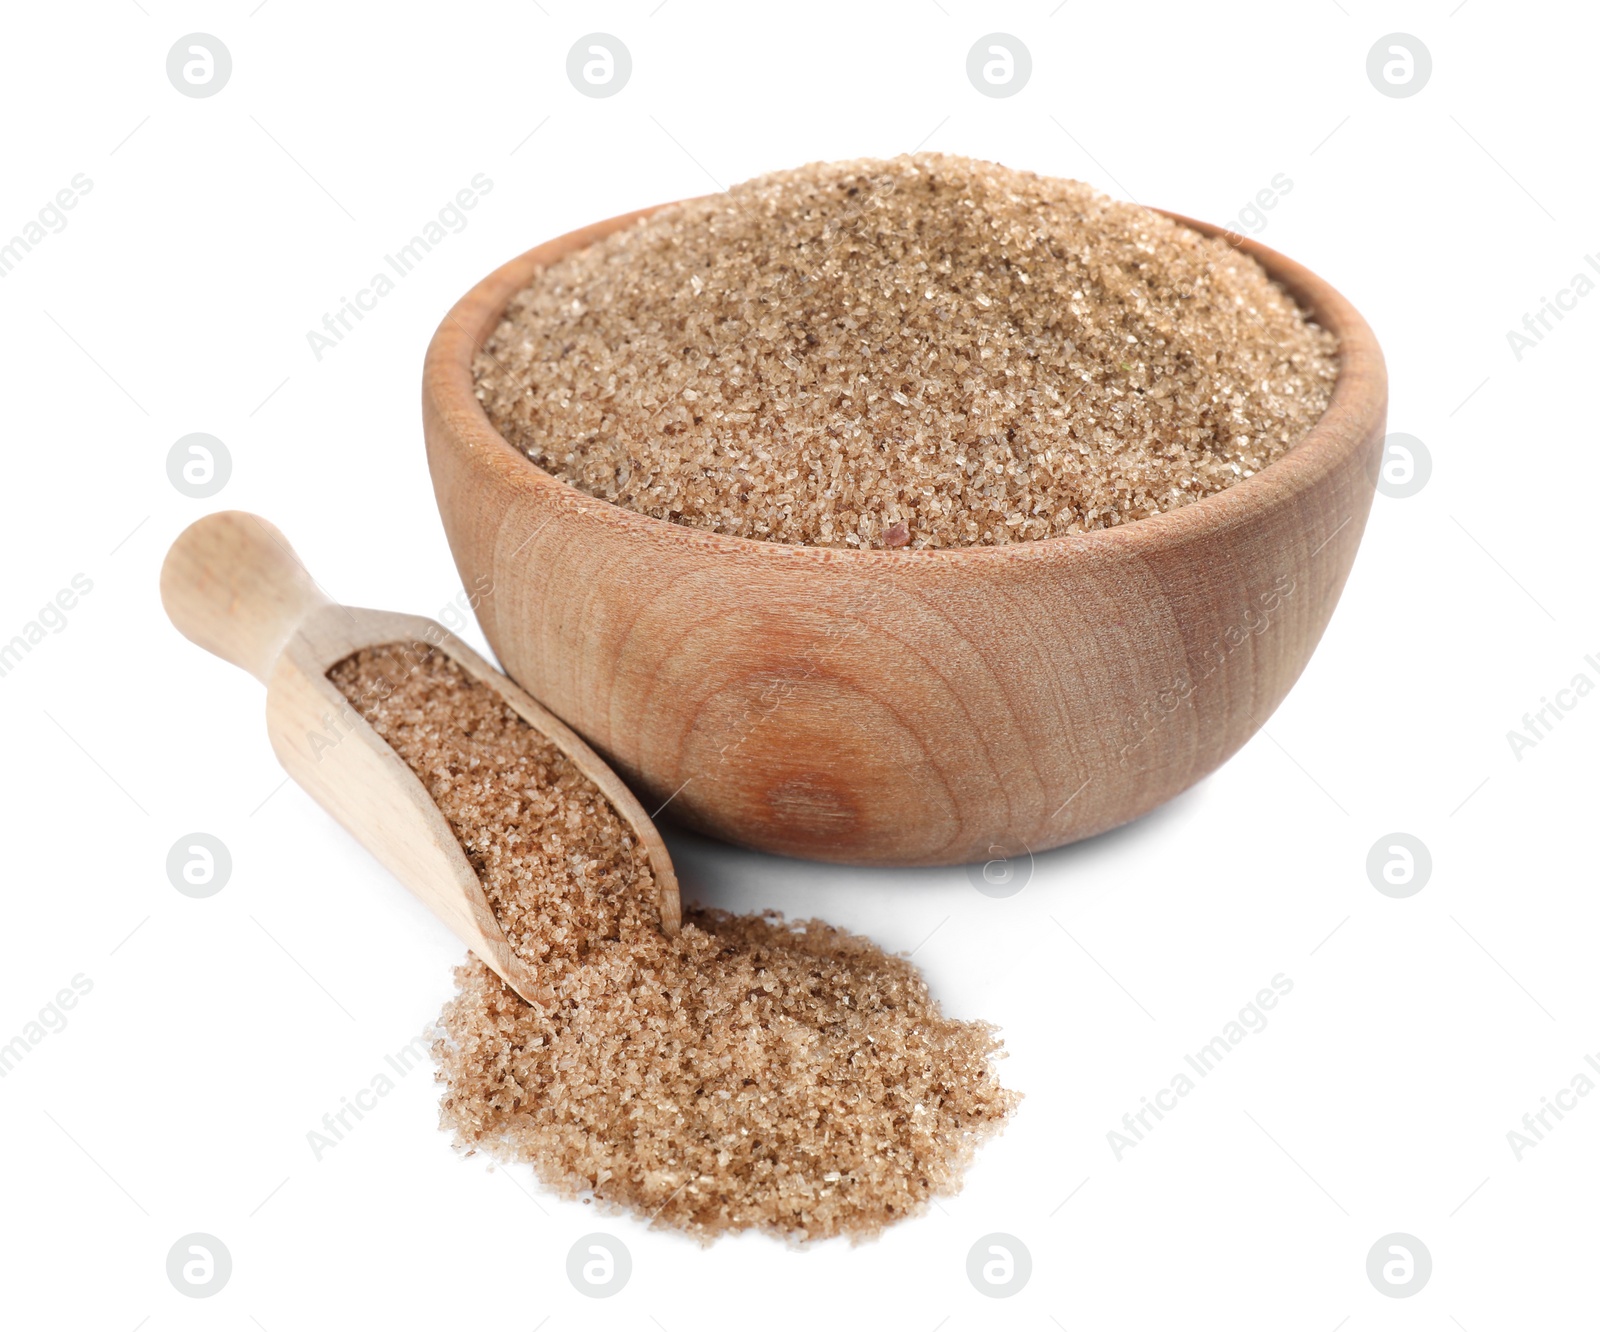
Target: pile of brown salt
<point>928,351</point>
<point>747,1073</point>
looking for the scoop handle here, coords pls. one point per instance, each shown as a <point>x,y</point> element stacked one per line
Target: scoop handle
<point>234,585</point>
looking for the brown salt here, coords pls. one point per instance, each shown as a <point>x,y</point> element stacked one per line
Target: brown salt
<point>928,351</point>
<point>747,1073</point>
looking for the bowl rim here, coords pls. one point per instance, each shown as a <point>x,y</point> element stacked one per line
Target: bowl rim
<point>1347,426</point>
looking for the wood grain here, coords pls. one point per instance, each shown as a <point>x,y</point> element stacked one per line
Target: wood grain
<point>232,584</point>
<point>905,707</point>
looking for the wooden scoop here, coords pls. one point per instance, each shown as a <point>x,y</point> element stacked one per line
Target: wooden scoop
<point>232,584</point>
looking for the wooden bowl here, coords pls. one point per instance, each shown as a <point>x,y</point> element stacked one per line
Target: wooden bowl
<point>904,707</point>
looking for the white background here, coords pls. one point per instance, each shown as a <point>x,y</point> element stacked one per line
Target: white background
<point>219,1031</point>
